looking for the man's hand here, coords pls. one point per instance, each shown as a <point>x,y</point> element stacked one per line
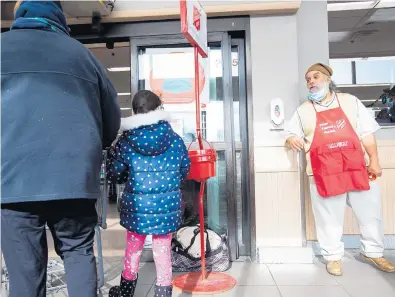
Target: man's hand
<point>296,143</point>
<point>375,168</point>
<point>369,143</point>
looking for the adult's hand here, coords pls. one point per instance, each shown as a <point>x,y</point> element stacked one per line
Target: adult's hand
<point>370,145</point>
<point>375,168</point>
<point>296,143</point>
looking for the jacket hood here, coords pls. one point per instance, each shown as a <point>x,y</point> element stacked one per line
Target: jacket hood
<point>149,134</point>
<point>40,15</point>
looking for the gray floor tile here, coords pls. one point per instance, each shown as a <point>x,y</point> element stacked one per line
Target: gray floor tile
<point>58,294</point>
<point>176,293</point>
<point>252,291</point>
<point>313,291</point>
<point>147,275</point>
<point>381,289</point>
<point>356,270</point>
<point>141,291</point>
<point>241,291</point>
<point>301,275</point>
<point>251,274</point>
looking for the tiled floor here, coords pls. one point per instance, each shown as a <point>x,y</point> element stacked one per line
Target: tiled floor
<point>255,280</point>
<point>294,280</point>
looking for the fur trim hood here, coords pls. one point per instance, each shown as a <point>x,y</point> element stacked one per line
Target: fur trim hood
<point>144,119</point>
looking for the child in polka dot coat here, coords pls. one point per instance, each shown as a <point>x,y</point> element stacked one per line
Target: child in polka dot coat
<point>152,160</point>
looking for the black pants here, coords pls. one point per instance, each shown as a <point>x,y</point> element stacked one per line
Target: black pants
<point>25,250</point>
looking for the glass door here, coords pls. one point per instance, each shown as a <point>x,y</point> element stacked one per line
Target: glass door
<point>165,65</point>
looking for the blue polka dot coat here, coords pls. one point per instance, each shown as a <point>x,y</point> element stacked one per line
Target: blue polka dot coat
<point>152,160</point>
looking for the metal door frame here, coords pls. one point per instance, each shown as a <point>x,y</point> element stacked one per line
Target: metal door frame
<point>225,40</point>
<point>245,241</point>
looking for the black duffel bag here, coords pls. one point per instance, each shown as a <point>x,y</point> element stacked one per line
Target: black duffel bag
<point>186,250</point>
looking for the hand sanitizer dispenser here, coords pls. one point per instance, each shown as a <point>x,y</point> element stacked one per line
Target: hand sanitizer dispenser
<point>277,114</point>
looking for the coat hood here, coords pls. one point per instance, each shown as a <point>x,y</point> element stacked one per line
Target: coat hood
<point>149,134</point>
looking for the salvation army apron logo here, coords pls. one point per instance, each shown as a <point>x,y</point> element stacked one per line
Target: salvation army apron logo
<point>340,124</point>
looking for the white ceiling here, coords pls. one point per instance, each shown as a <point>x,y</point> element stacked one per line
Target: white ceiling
<point>364,29</point>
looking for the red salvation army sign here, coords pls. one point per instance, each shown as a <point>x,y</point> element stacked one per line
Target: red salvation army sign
<point>194,25</point>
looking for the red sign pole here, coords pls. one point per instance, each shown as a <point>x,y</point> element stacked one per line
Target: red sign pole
<point>197,98</point>
<point>202,159</point>
<point>202,247</point>
<point>202,183</point>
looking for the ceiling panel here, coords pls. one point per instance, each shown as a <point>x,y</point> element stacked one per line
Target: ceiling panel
<point>342,24</point>
<point>348,13</point>
<point>383,15</point>
<point>378,44</point>
<point>117,57</point>
<point>121,81</point>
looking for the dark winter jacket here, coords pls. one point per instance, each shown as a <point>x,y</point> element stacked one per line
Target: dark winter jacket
<point>58,110</point>
<point>152,160</point>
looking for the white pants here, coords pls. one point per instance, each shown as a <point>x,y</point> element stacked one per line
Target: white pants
<point>329,220</point>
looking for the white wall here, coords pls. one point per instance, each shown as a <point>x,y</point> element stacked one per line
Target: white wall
<point>274,74</point>
<point>282,48</point>
<point>274,71</point>
<point>313,43</point>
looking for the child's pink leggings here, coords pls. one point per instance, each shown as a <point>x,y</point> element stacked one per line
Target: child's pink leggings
<point>161,246</point>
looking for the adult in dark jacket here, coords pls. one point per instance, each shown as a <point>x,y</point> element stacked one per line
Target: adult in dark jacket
<point>58,111</point>
<point>152,160</point>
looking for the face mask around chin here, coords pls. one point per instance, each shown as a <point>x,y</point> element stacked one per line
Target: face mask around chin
<point>320,94</point>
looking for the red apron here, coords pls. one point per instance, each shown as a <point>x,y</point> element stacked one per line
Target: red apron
<point>336,155</point>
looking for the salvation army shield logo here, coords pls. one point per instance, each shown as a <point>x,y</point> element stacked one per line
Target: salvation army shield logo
<point>340,124</point>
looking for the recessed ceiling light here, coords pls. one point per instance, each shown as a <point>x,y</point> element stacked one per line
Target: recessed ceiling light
<point>386,4</point>
<point>350,5</point>
<point>118,69</point>
<point>123,94</point>
<point>126,108</point>
<point>362,85</point>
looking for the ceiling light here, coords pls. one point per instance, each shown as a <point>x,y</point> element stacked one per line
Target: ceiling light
<point>385,4</point>
<point>350,6</point>
<point>123,94</point>
<point>118,69</point>
<point>126,108</point>
<point>362,85</point>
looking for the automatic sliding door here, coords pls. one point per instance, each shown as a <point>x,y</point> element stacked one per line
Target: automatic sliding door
<point>165,66</point>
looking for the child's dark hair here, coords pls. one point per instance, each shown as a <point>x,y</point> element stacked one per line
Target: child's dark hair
<point>145,101</point>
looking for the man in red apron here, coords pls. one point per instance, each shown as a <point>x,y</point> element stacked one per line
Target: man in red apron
<point>337,133</point>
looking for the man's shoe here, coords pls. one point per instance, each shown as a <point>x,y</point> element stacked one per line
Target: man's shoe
<point>381,263</point>
<point>334,268</point>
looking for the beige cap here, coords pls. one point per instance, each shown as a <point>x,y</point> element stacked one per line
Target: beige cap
<point>325,69</point>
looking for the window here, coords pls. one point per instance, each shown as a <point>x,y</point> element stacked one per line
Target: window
<point>367,71</point>
<point>375,71</point>
<point>342,71</point>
